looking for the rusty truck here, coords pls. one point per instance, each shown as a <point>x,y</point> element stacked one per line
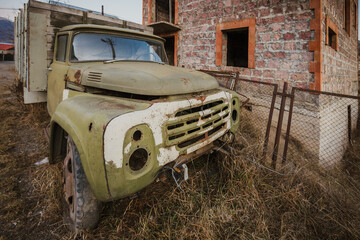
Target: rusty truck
<point>119,112</point>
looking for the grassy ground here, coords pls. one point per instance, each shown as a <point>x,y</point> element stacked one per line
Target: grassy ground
<point>226,197</point>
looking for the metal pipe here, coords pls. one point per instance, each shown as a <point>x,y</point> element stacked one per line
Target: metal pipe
<point>102,10</point>
<point>288,128</point>
<point>278,129</point>
<point>349,122</point>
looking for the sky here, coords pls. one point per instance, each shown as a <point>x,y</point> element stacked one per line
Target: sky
<point>130,10</point>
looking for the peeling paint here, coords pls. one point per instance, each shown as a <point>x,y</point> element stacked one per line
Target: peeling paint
<point>65,94</point>
<point>127,148</point>
<point>155,117</point>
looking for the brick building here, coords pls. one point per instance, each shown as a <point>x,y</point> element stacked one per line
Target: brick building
<point>308,43</point>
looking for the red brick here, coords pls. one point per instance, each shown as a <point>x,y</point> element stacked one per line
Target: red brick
<point>264,12</point>
<point>275,46</point>
<point>281,75</point>
<point>266,37</point>
<point>277,19</point>
<point>276,36</point>
<point>288,36</point>
<point>305,35</point>
<point>274,64</point>
<point>268,55</point>
<point>277,10</point>
<point>302,26</point>
<point>260,64</point>
<point>298,77</point>
<point>290,46</point>
<point>280,55</point>
<point>276,27</point>
<point>256,73</point>
<point>268,73</point>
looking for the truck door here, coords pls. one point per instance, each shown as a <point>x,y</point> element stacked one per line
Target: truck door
<point>57,73</point>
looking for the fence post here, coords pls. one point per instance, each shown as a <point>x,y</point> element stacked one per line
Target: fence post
<point>278,129</point>
<point>288,128</point>
<point>349,122</point>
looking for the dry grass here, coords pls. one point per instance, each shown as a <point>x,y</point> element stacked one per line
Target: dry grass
<point>226,197</point>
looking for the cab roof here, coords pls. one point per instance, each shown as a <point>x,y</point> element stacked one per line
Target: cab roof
<point>108,28</point>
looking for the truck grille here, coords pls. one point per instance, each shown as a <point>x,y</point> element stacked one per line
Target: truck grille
<point>94,77</point>
<point>197,123</point>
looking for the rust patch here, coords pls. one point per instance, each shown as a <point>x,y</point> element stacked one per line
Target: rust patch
<point>77,77</point>
<point>186,81</point>
<point>201,98</point>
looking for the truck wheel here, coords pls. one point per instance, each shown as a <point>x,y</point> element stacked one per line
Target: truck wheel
<point>81,209</point>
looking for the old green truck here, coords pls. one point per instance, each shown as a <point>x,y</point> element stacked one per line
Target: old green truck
<point>120,114</point>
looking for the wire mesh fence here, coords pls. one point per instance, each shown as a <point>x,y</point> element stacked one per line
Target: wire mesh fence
<point>298,127</point>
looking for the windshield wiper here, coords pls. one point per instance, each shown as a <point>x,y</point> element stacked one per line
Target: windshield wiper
<point>129,60</point>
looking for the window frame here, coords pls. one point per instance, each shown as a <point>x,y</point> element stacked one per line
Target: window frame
<point>244,23</point>
<point>57,47</point>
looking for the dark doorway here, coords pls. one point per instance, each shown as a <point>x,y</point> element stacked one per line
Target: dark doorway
<point>169,48</point>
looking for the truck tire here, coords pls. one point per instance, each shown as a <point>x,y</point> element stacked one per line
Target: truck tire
<point>81,209</point>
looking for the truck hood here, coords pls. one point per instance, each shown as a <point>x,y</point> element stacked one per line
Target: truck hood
<point>146,78</point>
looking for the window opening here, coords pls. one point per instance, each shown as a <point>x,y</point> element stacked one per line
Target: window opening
<point>169,48</point>
<point>165,10</point>
<point>61,48</point>
<point>237,49</point>
<point>332,38</point>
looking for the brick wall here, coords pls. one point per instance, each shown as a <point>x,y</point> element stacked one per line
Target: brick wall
<point>282,37</point>
<point>339,68</point>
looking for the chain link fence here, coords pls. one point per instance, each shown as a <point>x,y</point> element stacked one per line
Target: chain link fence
<point>298,127</point>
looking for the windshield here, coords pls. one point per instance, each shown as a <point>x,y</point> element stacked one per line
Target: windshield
<point>102,47</point>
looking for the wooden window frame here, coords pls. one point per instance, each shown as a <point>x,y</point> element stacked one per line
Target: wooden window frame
<point>176,36</point>
<point>355,15</point>
<point>330,24</point>
<point>220,27</point>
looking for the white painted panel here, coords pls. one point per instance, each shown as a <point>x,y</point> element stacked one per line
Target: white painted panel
<point>34,97</point>
<point>37,52</point>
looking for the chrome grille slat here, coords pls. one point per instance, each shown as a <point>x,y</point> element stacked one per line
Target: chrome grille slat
<point>190,127</point>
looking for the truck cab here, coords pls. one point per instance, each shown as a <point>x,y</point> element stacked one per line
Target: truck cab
<point>120,114</point>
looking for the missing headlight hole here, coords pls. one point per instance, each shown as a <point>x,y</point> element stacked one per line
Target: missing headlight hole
<point>234,115</point>
<point>137,135</point>
<point>138,159</point>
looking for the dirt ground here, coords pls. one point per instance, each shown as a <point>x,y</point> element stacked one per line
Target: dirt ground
<point>226,197</point>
